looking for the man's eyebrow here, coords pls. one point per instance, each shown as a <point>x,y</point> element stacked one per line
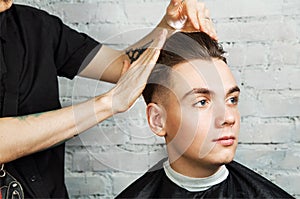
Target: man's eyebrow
<point>197,91</point>
<point>208,92</point>
<point>233,90</point>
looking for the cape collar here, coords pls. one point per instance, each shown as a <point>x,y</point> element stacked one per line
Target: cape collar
<point>195,184</point>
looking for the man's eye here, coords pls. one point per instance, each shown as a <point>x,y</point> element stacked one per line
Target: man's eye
<point>201,103</point>
<point>234,100</point>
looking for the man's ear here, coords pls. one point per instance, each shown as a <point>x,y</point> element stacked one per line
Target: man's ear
<point>156,116</point>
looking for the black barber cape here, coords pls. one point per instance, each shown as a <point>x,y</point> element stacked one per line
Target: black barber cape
<point>240,183</point>
<point>35,48</point>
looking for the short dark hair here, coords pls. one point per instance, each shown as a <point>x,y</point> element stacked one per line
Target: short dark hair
<point>179,48</point>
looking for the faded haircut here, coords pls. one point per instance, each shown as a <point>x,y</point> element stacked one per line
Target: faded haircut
<point>179,48</point>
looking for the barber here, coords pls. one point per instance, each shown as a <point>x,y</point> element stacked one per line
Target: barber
<point>36,48</point>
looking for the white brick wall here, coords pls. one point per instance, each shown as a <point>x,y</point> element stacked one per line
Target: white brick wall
<point>262,38</point>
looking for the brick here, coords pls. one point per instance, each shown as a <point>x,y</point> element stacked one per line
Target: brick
<point>243,55</point>
<point>144,136</point>
<point>134,124</point>
<point>272,132</point>
<point>290,183</point>
<point>121,160</point>
<point>65,87</point>
<point>86,88</point>
<point>131,8</point>
<point>259,78</point>
<point>74,142</point>
<point>291,7</point>
<point>291,160</point>
<point>244,8</point>
<point>125,34</point>
<point>110,12</point>
<point>156,156</point>
<point>296,136</point>
<point>283,77</point>
<point>284,53</point>
<point>271,30</point>
<point>81,162</point>
<point>68,160</point>
<point>105,12</point>
<point>248,102</point>
<point>260,156</point>
<point>160,140</point>
<point>86,184</point>
<point>278,104</point>
<point>237,75</point>
<point>291,75</point>
<point>100,136</point>
<point>101,166</point>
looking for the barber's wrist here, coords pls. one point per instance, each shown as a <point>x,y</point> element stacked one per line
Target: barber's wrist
<point>112,102</point>
<point>164,25</point>
<point>104,106</point>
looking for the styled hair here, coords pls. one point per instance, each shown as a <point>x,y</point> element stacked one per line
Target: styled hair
<point>180,48</point>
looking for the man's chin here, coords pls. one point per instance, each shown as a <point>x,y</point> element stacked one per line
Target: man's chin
<point>226,160</point>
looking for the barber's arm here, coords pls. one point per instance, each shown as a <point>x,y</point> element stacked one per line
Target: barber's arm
<point>181,15</point>
<point>21,136</point>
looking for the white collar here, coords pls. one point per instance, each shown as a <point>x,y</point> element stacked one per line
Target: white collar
<point>195,184</point>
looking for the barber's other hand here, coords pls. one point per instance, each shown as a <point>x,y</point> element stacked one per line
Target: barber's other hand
<point>132,83</point>
<point>189,16</point>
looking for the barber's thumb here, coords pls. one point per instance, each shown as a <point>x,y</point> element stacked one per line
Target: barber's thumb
<point>173,7</point>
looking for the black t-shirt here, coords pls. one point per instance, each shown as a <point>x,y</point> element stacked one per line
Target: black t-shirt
<point>240,183</point>
<point>36,48</point>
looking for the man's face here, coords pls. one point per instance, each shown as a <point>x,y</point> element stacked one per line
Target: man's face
<point>203,120</point>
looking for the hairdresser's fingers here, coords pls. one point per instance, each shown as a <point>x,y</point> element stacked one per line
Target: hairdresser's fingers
<point>174,15</point>
<point>209,25</point>
<point>205,21</point>
<point>182,15</point>
<point>190,10</point>
<point>132,83</point>
<point>173,9</point>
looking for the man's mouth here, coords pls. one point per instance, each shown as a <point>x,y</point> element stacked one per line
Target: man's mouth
<point>225,140</point>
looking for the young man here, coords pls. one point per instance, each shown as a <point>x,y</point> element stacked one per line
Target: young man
<point>192,101</point>
<point>35,48</point>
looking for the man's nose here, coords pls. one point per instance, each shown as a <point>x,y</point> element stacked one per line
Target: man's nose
<point>224,116</point>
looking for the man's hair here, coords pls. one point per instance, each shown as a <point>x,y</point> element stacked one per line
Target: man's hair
<point>180,48</point>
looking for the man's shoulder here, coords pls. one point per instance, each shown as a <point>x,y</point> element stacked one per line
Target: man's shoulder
<point>144,186</point>
<point>253,183</point>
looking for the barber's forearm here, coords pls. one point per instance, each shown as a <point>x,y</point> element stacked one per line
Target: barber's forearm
<point>24,135</point>
<point>21,136</point>
<point>107,64</point>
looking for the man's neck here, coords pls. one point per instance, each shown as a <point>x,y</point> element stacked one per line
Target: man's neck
<point>5,5</point>
<point>193,169</point>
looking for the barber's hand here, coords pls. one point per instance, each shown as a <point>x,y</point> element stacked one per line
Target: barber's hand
<point>189,16</point>
<point>133,81</point>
